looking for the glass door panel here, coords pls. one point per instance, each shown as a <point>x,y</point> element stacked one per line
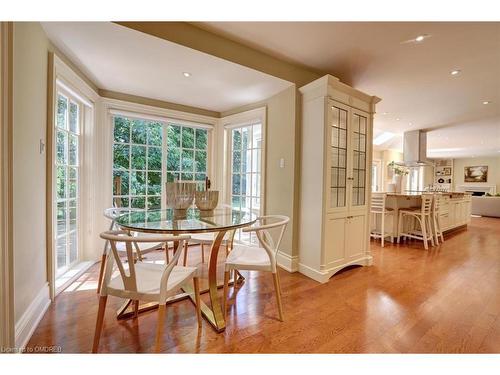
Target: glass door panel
<point>67,166</point>
<point>358,145</point>
<point>338,152</point>
<point>245,166</point>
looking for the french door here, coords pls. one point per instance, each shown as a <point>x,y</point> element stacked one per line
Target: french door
<point>245,187</point>
<point>67,134</point>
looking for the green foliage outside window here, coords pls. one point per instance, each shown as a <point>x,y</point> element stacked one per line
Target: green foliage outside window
<point>138,159</point>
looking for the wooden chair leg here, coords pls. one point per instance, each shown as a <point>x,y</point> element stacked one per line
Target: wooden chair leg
<point>430,230</point>
<point>435,229</point>
<point>159,327</point>
<point>185,253</point>
<point>423,226</point>
<point>136,309</point>
<point>440,230</point>
<point>382,230</point>
<point>225,293</point>
<point>400,226</point>
<point>98,325</point>
<point>101,272</point>
<point>167,254</point>
<point>278,294</point>
<point>202,253</point>
<point>196,282</point>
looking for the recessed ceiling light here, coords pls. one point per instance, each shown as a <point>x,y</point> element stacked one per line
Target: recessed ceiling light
<point>186,74</point>
<point>385,113</point>
<point>410,123</point>
<point>397,119</point>
<point>421,38</point>
<point>455,72</point>
<point>486,102</point>
<point>417,39</point>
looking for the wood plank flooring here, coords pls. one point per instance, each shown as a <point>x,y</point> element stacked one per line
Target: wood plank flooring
<point>445,300</point>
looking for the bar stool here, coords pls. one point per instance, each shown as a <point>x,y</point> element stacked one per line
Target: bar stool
<point>436,218</point>
<point>423,217</point>
<point>378,208</point>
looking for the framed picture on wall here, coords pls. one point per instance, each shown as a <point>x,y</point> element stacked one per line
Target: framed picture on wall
<point>447,171</point>
<point>476,174</point>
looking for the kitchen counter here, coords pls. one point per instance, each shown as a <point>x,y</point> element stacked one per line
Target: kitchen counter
<point>412,194</point>
<point>455,209</point>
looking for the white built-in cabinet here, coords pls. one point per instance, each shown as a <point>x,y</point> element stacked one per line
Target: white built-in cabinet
<point>455,212</point>
<point>336,155</point>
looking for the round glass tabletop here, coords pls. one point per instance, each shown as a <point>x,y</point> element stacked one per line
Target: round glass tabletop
<point>192,220</point>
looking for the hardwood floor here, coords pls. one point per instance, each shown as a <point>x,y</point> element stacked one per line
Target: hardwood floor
<point>445,300</point>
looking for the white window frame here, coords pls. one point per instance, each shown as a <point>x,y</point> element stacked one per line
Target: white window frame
<point>113,107</point>
<point>62,89</point>
<point>61,75</point>
<point>238,120</point>
<point>182,124</point>
<point>147,146</point>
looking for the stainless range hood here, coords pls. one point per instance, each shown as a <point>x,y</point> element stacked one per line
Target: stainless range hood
<point>415,149</point>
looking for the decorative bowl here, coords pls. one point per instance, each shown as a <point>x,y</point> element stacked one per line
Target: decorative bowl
<point>206,200</point>
<point>180,195</point>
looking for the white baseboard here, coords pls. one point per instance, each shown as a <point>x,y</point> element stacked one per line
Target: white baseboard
<point>319,276</point>
<point>322,276</point>
<point>287,262</point>
<point>31,317</point>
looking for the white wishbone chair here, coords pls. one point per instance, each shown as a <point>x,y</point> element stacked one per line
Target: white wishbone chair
<point>140,247</point>
<point>143,281</point>
<point>253,258</point>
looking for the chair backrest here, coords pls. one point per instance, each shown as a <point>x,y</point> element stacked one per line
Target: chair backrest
<point>427,200</point>
<point>378,202</point>
<point>262,230</point>
<point>112,214</point>
<point>436,203</point>
<point>129,278</point>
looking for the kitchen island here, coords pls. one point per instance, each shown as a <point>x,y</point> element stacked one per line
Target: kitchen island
<point>455,210</point>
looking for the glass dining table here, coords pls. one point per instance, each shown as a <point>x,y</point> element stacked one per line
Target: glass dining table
<point>223,222</point>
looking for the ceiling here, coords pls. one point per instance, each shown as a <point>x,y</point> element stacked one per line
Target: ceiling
<point>119,59</point>
<point>413,79</point>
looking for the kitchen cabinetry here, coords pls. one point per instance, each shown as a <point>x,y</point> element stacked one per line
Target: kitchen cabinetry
<point>337,126</point>
<point>455,212</point>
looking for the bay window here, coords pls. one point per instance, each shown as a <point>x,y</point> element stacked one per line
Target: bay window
<point>149,153</point>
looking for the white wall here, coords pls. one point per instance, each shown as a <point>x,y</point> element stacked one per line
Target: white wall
<point>280,188</point>
<point>29,119</point>
<point>493,164</point>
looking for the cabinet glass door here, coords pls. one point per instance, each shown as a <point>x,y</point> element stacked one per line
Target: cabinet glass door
<point>358,146</point>
<point>338,153</point>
